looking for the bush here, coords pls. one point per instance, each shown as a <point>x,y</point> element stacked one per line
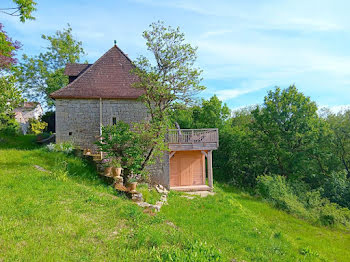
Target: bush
<point>65,147</point>
<point>337,189</point>
<point>122,142</point>
<point>299,200</point>
<point>276,190</point>
<point>36,126</point>
<point>8,125</point>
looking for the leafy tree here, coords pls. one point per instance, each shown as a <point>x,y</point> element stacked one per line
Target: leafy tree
<point>8,48</point>
<point>291,133</point>
<point>23,9</point>
<point>171,77</point>
<point>9,99</point>
<point>340,125</point>
<point>211,113</point>
<point>43,74</point>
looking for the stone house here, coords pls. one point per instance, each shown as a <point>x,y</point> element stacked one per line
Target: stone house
<point>101,94</point>
<point>27,111</point>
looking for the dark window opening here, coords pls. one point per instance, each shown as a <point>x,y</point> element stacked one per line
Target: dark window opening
<point>70,133</point>
<point>71,79</point>
<point>114,121</point>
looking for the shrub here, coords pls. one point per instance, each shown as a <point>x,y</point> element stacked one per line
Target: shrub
<point>299,200</point>
<point>121,142</point>
<point>65,147</point>
<point>36,126</point>
<point>276,190</point>
<point>337,189</point>
<point>8,125</point>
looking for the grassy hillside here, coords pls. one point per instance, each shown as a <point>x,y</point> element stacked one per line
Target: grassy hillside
<point>66,213</point>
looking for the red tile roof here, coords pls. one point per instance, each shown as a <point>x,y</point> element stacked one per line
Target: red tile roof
<point>109,77</point>
<point>75,69</point>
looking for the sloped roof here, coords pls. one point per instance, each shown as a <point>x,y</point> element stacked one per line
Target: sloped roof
<point>75,69</point>
<point>27,106</point>
<point>109,78</point>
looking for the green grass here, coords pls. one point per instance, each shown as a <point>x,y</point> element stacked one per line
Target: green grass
<point>150,195</point>
<point>69,214</point>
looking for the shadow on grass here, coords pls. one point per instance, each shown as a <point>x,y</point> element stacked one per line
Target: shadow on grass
<point>73,166</point>
<point>22,142</point>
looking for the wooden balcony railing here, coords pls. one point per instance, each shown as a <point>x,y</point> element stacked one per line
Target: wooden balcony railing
<point>194,136</point>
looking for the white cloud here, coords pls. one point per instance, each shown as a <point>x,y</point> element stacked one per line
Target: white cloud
<point>335,109</point>
<point>248,87</point>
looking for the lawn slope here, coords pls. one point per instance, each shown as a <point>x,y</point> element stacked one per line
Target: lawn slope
<point>64,212</point>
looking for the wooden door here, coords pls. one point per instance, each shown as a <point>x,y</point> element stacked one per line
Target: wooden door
<point>186,176</point>
<point>186,169</point>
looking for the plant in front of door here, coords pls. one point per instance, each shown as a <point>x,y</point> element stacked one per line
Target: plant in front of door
<point>124,147</point>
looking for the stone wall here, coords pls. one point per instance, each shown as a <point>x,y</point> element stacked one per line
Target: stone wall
<point>160,172</point>
<point>78,121</point>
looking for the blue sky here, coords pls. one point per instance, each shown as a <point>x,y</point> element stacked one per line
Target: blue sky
<point>245,48</point>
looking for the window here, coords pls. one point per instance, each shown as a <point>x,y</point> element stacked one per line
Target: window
<point>114,121</point>
<point>70,133</point>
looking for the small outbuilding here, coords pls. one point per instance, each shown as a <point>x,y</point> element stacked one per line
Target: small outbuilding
<point>101,94</point>
<point>27,111</point>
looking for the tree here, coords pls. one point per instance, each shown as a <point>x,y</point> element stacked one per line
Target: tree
<point>9,99</point>
<point>171,78</point>
<point>340,125</point>
<point>43,74</point>
<point>23,9</point>
<point>291,133</point>
<point>8,48</point>
<point>211,113</point>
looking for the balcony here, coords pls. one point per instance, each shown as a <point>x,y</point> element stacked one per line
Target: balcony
<point>193,139</point>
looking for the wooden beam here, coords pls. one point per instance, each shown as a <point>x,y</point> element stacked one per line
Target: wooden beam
<point>210,168</point>
<point>204,153</point>
<point>172,154</point>
<point>204,173</point>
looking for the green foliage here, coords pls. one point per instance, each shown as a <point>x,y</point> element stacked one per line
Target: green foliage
<point>239,157</point>
<point>210,113</point>
<point>171,77</point>
<point>10,95</point>
<point>299,201</point>
<point>24,10</point>
<point>8,49</point>
<point>36,126</point>
<point>43,74</point>
<point>337,188</point>
<point>150,195</point>
<point>128,146</point>
<point>65,147</point>
<point>276,190</point>
<point>289,130</point>
<point>10,98</point>
<point>8,125</point>
<point>340,125</point>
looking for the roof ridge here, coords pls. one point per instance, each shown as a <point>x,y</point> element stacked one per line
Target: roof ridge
<point>88,69</point>
<point>92,66</point>
<point>121,51</point>
<point>112,80</point>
